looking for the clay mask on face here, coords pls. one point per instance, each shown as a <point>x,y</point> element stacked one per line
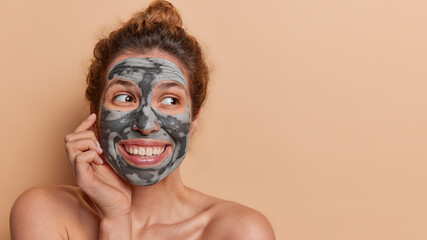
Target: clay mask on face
<point>145,144</point>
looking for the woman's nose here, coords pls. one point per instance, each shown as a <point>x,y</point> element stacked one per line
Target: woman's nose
<point>146,122</point>
<point>147,130</point>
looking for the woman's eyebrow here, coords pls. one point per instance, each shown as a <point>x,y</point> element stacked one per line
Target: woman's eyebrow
<point>120,82</point>
<point>165,85</point>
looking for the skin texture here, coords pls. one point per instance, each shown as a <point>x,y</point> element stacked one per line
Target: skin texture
<point>119,125</point>
<point>104,206</point>
<point>65,212</point>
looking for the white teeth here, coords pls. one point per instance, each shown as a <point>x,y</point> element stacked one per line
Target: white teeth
<point>147,152</point>
<point>141,151</point>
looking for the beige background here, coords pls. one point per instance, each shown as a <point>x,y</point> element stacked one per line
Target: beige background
<point>316,115</point>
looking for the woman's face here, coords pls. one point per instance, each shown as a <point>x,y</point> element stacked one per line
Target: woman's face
<point>145,117</point>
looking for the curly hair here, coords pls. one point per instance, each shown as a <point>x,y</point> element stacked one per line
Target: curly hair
<point>158,27</point>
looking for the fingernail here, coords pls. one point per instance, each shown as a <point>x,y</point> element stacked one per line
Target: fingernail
<point>100,159</point>
<point>91,116</point>
<point>99,146</point>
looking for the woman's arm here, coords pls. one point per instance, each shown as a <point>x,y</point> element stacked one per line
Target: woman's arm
<point>36,214</point>
<point>104,187</point>
<point>233,221</point>
<point>116,228</point>
<point>56,212</point>
<point>61,212</point>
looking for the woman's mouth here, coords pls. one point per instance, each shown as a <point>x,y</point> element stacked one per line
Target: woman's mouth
<point>145,153</point>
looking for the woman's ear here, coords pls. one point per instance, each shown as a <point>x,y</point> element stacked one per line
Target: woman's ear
<point>195,124</point>
<point>95,126</point>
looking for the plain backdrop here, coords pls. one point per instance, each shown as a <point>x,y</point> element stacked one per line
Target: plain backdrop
<point>316,114</point>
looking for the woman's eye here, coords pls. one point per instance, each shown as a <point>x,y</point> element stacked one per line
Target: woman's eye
<point>124,98</point>
<point>169,101</point>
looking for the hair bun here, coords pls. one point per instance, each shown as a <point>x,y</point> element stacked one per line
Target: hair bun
<point>159,28</point>
<point>158,12</point>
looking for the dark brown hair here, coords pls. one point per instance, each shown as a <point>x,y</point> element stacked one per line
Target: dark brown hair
<point>159,27</point>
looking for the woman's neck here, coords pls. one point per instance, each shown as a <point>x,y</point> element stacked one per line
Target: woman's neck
<point>164,202</point>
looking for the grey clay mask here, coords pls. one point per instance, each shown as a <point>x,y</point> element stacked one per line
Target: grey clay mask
<point>121,129</point>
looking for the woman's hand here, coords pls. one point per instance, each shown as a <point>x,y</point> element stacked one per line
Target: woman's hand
<point>106,189</point>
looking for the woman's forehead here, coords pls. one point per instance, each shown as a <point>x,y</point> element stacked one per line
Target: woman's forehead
<point>149,70</point>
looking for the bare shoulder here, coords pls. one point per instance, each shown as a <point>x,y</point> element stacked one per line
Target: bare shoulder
<point>230,220</point>
<point>45,212</point>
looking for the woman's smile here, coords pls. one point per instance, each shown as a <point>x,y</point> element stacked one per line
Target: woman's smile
<point>145,153</point>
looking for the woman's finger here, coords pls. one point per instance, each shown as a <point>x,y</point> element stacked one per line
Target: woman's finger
<point>83,161</point>
<point>86,177</point>
<point>81,135</point>
<point>87,123</point>
<point>81,145</point>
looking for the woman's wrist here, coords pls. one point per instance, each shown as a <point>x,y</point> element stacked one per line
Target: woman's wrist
<point>118,227</point>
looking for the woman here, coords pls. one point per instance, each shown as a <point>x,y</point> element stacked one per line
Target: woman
<point>146,85</point>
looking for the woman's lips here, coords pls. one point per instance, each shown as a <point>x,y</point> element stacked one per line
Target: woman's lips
<point>145,153</point>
